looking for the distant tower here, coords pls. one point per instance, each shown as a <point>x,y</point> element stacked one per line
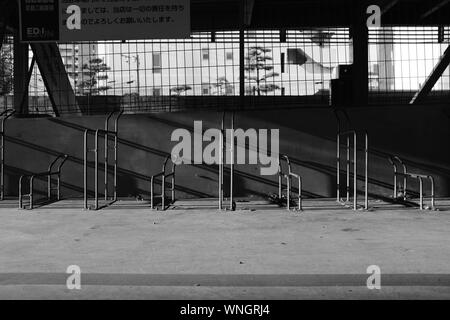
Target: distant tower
<point>385,59</point>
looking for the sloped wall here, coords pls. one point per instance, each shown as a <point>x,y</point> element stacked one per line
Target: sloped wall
<point>420,135</point>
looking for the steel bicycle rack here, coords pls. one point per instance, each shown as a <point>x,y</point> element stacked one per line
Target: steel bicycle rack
<point>347,134</point>
<point>4,116</point>
<point>163,176</point>
<point>61,159</point>
<point>222,160</point>
<point>394,160</point>
<point>106,134</point>
<point>288,176</point>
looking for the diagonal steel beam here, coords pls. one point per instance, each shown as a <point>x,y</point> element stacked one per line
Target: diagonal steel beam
<point>432,78</point>
<point>388,6</point>
<point>434,9</point>
<point>56,80</point>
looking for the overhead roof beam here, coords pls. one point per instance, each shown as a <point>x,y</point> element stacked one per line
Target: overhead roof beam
<point>432,78</point>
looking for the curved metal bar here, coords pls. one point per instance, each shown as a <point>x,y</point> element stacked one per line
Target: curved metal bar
<point>164,175</point>
<point>47,174</point>
<point>61,156</point>
<point>288,176</point>
<point>393,160</point>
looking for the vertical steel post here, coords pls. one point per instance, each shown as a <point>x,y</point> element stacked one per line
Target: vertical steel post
<point>2,172</point>
<point>116,160</point>
<point>280,181</point>
<point>355,173</point>
<point>163,191</point>
<point>395,182</point>
<point>31,191</point>
<point>348,166</point>
<point>432,192</point>
<point>232,161</point>
<point>221,146</point>
<point>85,150</point>
<point>288,192</point>
<point>405,179</point>
<point>421,193</point>
<point>20,192</point>
<point>300,199</point>
<point>106,162</point>
<point>338,166</point>
<point>49,187</point>
<point>173,183</point>
<point>96,170</point>
<point>366,173</point>
<point>116,150</point>
<point>151,193</point>
<point>58,187</point>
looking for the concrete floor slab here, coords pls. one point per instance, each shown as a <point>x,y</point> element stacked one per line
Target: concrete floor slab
<point>116,244</point>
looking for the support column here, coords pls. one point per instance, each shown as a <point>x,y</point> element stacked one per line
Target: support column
<point>20,75</point>
<point>360,72</point>
<point>242,54</point>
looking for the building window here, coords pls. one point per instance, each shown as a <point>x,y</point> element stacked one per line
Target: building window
<point>156,92</point>
<point>156,62</point>
<point>229,56</point>
<point>205,89</point>
<point>205,54</point>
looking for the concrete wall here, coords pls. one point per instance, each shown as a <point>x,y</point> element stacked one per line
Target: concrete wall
<point>420,135</point>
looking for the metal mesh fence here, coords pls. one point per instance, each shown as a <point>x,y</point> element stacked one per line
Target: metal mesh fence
<point>282,68</point>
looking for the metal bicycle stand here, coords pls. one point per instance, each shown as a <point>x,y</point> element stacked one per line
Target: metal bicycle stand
<point>394,160</point>
<point>163,176</point>
<point>106,134</point>
<point>222,160</point>
<point>49,173</point>
<point>351,148</point>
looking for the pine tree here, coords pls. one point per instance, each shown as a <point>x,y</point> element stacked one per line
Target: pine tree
<point>91,74</point>
<point>259,69</point>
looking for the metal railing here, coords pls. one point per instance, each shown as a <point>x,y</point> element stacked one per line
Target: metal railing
<point>394,160</point>
<point>289,175</point>
<point>49,173</point>
<point>4,116</point>
<point>163,176</point>
<point>106,134</point>
<point>347,134</point>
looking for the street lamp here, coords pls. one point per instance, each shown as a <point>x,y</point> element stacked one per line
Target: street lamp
<point>136,59</point>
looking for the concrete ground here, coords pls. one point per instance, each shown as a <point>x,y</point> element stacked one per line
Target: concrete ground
<point>127,251</point>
